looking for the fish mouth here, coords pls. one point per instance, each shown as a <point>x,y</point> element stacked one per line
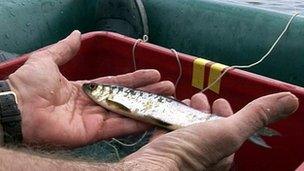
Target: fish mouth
<point>89,87</point>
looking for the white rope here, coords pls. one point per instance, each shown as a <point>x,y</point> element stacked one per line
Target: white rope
<point>145,39</point>
<point>260,60</point>
<point>133,144</point>
<point>180,70</point>
<point>115,149</point>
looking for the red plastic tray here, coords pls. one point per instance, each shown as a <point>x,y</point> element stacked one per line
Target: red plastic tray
<point>105,53</point>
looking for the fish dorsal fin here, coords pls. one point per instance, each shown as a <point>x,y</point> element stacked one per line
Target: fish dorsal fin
<point>118,105</point>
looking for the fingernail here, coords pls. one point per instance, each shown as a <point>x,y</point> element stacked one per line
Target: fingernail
<point>288,103</point>
<point>74,33</point>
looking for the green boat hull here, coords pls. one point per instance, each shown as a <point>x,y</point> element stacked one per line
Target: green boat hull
<point>231,34</point>
<point>226,33</point>
<point>29,25</point>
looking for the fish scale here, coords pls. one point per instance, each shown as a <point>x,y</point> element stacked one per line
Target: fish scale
<point>155,109</point>
<point>146,104</point>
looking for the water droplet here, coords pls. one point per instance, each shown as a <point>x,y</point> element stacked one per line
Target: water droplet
<point>6,36</point>
<point>61,12</point>
<point>28,24</point>
<point>12,14</point>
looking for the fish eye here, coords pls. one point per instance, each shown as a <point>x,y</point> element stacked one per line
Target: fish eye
<point>93,86</point>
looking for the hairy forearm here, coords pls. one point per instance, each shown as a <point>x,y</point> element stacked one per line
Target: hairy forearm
<point>15,160</point>
<point>26,161</point>
<point>1,136</point>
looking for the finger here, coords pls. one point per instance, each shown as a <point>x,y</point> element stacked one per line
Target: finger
<point>220,138</point>
<point>116,127</point>
<point>157,133</point>
<point>200,102</point>
<point>133,80</point>
<point>262,112</point>
<point>165,88</point>
<point>224,164</point>
<point>225,136</point>
<point>186,101</point>
<point>62,51</point>
<point>300,167</point>
<point>222,107</point>
<point>97,128</point>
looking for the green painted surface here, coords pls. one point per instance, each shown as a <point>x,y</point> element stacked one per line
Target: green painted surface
<point>30,24</point>
<point>229,34</point>
<point>222,32</point>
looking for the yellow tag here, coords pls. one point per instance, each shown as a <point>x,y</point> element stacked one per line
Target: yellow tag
<point>199,72</point>
<point>215,71</point>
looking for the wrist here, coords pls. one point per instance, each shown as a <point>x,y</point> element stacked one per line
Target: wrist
<point>21,94</point>
<point>152,162</point>
<point>10,117</point>
<point>1,136</point>
<point>15,90</point>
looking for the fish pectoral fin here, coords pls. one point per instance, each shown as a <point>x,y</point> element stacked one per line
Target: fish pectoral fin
<point>118,105</point>
<point>158,122</point>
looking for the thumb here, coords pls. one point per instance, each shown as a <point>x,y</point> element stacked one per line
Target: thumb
<point>62,51</point>
<point>204,144</point>
<point>262,112</point>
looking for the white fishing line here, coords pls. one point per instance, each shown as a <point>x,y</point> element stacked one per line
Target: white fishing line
<point>133,144</point>
<point>145,39</point>
<point>115,150</point>
<point>257,62</point>
<point>180,70</point>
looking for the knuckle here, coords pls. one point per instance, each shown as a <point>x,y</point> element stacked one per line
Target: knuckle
<point>262,111</point>
<point>231,136</point>
<point>38,54</point>
<point>224,164</point>
<point>47,53</point>
<point>67,47</point>
<point>168,86</point>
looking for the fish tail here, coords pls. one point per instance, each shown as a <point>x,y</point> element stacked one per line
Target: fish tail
<point>258,140</point>
<point>268,132</point>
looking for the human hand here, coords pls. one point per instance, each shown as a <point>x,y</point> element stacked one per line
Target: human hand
<point>55,111</point>
<point>211,145</point>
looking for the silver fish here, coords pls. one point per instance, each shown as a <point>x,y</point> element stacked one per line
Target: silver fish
<point>159,110</point>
